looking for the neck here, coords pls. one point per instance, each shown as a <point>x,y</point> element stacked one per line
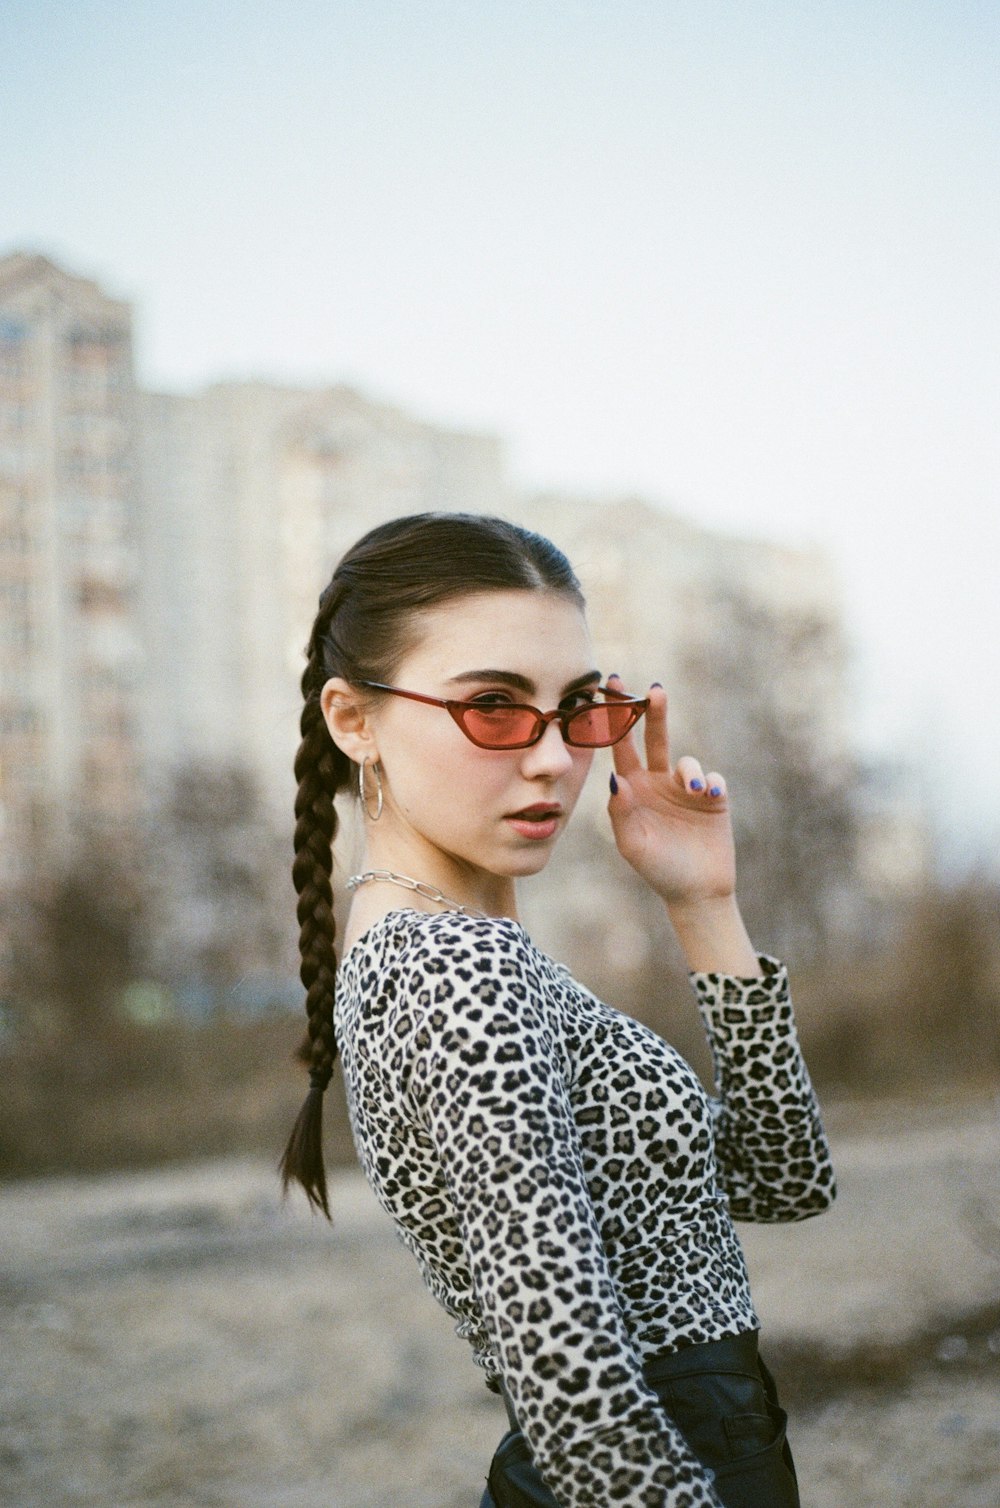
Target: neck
<point>462,883</point>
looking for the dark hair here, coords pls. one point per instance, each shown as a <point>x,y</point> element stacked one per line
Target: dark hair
<point>366,624</point>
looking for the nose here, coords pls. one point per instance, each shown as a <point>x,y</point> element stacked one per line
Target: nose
<point>550,756</point>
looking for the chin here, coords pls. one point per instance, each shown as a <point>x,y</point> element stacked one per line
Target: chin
<point>533,861</point>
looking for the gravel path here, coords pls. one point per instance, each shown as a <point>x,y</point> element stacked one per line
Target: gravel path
<point>180,1338</point>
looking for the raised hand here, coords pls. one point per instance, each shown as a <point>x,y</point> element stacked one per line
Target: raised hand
<point>671,822</point>
<point>673,825</point>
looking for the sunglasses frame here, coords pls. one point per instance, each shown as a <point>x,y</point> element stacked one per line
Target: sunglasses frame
<point>457,711</point>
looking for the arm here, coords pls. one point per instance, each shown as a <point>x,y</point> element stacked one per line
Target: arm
<point>486,1082</point>
<point>673,825</point>
<point>773,1156</point>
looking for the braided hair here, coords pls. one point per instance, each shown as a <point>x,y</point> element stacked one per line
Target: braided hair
<point>367,622</point>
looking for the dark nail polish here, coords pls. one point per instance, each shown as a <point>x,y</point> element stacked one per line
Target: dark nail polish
<point>614,785</point>
<point>697,785</point>
<point>715,790</point>
<point>656,686</point>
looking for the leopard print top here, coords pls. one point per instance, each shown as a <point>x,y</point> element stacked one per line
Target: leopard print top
<point>564,1181</point>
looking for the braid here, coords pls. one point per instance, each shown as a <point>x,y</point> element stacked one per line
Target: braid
<point>320,768</point>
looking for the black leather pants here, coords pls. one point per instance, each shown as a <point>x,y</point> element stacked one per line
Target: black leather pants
<point>722,1399</point>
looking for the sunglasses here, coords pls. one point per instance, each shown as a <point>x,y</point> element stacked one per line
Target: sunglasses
<point>512,725</point>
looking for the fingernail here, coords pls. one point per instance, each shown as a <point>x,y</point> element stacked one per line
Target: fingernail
<point>697,785</point>
<point>656,686</point>
<point>614,676</point>
<point>614,785</point>
<point>715,790</point>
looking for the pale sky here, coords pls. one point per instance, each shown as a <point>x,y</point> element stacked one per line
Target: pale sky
<point>739,257</point>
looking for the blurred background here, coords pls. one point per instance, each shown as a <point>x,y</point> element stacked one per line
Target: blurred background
<point>705,291</point>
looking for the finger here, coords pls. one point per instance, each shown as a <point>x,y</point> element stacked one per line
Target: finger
<point>620,801</point>
<point>657,737</point>
<point>624,753</point>
<point>690,775</point>
<point>715,787</point>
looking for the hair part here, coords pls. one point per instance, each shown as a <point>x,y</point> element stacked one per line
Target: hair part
<point>368,621</point>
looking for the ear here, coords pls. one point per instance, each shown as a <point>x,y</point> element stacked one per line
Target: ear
<point>347,719</point>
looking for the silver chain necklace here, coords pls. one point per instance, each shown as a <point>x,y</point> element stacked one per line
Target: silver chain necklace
<point>386,876</point>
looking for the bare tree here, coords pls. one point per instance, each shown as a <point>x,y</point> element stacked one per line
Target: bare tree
<point>760,678</point>
<point>224,907</point>
<point>76,935</point>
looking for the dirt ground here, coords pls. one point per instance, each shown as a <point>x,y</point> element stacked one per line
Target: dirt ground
<point>181,1338</point>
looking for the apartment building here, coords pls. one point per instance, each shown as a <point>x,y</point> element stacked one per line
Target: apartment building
<point>70,656</point>
<point>250,494</point>
<point>161,556</point>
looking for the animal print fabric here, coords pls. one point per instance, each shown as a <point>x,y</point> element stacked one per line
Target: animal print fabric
<point>564,1182</point>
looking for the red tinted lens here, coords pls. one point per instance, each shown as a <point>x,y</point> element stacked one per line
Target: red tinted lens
<point>499,727</point>
<point>602,724</point>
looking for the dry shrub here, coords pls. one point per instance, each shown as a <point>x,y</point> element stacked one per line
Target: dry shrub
<point>157,1094</point>
<point>923,1011</point>
<point>86,1088</point>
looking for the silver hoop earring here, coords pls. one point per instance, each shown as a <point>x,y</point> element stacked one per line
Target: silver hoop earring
<point>372,816</point>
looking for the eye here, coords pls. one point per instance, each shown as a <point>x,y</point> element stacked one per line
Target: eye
<point>493,699</point>
<point>577,699</point>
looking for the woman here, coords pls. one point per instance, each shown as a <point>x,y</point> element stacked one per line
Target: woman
<point>556,1169</point>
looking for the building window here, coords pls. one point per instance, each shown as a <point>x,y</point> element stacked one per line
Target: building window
<point>13,353</point>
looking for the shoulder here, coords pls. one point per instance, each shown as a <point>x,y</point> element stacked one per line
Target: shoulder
<point>443,936</point>
<point>444,952</point>
<point>455,1000</point>
<point>479,1009</point>
<point>471,953</point>
<point>464,976</point>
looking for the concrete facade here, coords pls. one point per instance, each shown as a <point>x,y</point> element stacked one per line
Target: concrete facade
<point>251,492</point>
<point>70,655</point>
<point>161,557</point>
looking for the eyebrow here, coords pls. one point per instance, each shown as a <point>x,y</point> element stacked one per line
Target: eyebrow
<point>519,682</point>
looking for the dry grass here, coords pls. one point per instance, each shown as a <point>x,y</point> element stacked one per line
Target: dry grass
<point>180,1338</point>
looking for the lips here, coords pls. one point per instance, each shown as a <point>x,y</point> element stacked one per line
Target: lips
<point>538,822</point>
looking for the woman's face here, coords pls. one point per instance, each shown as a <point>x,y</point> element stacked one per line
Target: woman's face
<point>476,818</point>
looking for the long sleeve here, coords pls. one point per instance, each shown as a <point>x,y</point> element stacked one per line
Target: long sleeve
<point>487,1082</point>
<point>770,1146</point>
